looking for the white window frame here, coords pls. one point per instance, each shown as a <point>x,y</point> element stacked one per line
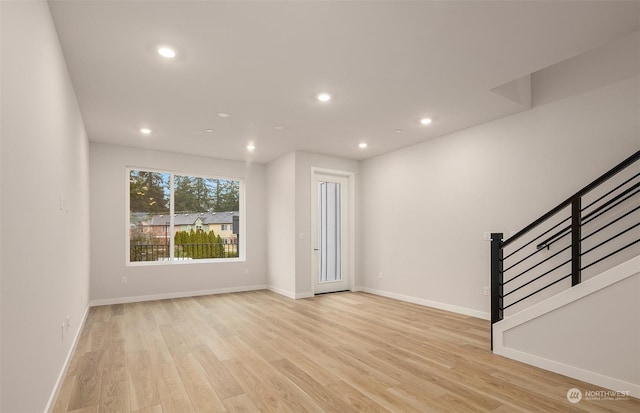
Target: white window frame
<point>242,216</point>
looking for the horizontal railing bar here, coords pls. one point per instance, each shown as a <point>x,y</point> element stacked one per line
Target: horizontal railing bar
<point>604,177</point>
<point>538,277</point>
<point>611,223</point>
<point>610,208</point>
<point>536,292</point>
<point>553,239</point>
<point>612,172</point>
<point>613,200</point>
<point>610,254</point>
<point>539,263</point>
<point>522,260</point>
<point>580,216</point>
<point>610,239</point>
<point>612,191</point>
<point>538,237</point>
<point>537,222</point>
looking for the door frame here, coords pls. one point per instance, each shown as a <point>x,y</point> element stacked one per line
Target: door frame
<point>350,235</point>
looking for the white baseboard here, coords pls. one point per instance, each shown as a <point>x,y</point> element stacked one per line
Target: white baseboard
<point>182,294</point>
<point>428,303</point>
<point>571,371</point>
<point>289,294</point>
<point>56,389</point>
<point>286,293</point>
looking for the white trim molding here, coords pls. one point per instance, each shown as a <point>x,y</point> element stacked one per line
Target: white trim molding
<point>428,303</point>
<point>571,371</point>
<point>289,294</point>
<point>56,389</point>
<point>286,293</point>
<point>167,296</point>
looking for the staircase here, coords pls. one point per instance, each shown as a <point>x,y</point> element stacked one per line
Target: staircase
<point>565,290</point>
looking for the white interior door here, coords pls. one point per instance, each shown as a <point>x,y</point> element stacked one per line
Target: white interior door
<point>330,235</point>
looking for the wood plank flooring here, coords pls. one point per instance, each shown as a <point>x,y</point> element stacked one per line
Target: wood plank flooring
<point>258,351</point>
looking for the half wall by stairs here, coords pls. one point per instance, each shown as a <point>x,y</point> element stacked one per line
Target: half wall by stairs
<point>590,332</point>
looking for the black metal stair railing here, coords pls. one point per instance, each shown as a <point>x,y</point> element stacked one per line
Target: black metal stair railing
<point>585,232</point>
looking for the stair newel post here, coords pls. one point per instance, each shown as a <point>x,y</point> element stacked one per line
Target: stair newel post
<point>496,280</point>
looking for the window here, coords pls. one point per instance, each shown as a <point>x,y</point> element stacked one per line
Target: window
<point>178,218</point>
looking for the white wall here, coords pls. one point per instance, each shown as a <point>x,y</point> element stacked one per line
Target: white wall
<point>45,253</point>
<point>109,230</point>
<point>281,225</point>
<point>579,333</point>
<point>425,208</point>
<point>289,219</point>
<point>590,332</point>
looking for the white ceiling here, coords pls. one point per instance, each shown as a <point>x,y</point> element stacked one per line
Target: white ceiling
<point>386,64</point>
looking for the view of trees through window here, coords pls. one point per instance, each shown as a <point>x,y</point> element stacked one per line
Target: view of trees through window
<point>205,222</point>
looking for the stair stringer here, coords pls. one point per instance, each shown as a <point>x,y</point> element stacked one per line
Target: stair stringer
<point>573,296</point>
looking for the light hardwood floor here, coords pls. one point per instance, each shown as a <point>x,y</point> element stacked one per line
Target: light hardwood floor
<point>258,351</point>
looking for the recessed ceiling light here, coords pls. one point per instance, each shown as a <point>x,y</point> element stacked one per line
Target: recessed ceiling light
<point>167,52</point>
<point>278,127</point>
<point>398,131</point>
<point>209,130</point>
<point>425,121</point>
<point>145,131</point>
<point>251,147</point>
<point>223,114</point>
<point>324,97</point>
<point>362,145</point>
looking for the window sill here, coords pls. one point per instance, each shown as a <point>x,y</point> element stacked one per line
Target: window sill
<point>183,262</point>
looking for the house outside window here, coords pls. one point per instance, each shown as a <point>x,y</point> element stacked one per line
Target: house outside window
<point>183,218</point>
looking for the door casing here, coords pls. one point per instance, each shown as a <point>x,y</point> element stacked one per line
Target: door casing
<point>348,235</point>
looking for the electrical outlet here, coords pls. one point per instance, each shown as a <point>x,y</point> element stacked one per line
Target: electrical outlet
<point>487,291</point>
<point>124,280</point>
<point>62,331</point>
<point>67,322</point>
